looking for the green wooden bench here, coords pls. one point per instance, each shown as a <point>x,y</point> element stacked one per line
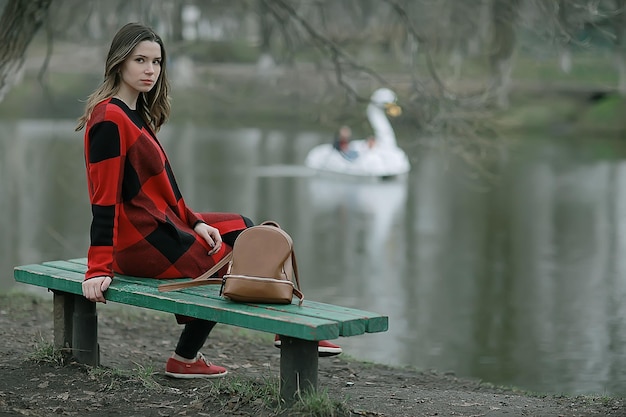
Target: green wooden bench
<point>300,327</point>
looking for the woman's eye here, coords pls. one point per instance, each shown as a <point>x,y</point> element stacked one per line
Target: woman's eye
<point>157,62</point>
<point>140,60</point>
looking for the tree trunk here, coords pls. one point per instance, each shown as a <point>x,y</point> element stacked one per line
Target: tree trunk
<point>620,45</point>
<point>19,22</point>
<point>504,14</point>
<point>565,55</point>
<point>266,26</point>
<point>177,22</point>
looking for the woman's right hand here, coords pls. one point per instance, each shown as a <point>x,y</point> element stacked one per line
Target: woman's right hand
<point>211,235</point>
<point>94,288</point>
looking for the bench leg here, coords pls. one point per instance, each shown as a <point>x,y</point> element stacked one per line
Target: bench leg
<point>85,332</point>
<point>63,315</point>
<point>298,367</point>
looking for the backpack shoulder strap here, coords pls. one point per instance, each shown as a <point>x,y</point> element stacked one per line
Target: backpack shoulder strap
<point>299,294</point>
<point>296,289</point>
<point>203,279</point>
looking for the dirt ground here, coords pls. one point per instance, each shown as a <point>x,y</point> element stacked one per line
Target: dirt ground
<point>140,341</point>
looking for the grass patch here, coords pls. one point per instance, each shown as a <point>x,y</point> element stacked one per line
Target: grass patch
<point>46,352</point>
<point>319,404</point>
<point>114,376</point>
<point>236,393</point>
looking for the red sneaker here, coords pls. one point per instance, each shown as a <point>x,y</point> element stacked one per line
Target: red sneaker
<point>201,368</point>
<point>324,347</point>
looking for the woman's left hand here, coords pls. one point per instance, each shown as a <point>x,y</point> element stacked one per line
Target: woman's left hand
<point>211,235</point>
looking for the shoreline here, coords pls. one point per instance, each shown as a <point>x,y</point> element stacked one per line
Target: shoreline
<point>136,341</point>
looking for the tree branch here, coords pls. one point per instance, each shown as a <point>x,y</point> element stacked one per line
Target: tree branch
<point>337,55</point>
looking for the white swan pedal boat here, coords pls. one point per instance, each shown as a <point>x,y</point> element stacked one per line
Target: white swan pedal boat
<point>383,160</point>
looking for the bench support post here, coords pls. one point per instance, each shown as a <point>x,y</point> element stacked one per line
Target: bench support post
<point>85,332</point>
<point>63,316</point>
<point>298,367</point>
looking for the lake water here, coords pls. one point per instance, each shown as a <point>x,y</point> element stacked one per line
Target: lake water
<point>519,283</point>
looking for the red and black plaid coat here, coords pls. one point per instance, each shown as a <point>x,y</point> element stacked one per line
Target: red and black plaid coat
<point>141,225</point>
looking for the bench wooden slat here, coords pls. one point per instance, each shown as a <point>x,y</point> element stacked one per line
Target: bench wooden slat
<point>352,321</point>
<point>206,307</point>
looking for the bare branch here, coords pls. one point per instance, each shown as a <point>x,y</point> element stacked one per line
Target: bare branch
<point>337,55</point>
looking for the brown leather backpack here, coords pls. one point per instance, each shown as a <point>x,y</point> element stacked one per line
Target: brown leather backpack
<point>262,268</point>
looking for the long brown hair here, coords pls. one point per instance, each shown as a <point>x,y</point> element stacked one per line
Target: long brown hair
<point>154,106</point>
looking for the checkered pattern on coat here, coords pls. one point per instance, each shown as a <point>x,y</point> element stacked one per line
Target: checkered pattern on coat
<point>141,225</point>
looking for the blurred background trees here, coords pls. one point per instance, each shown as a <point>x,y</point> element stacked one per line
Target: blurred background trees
<point>19,22</point>
<point>453,63</point>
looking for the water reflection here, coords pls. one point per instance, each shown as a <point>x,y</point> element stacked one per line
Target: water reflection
<point>521,283</point>
<point>42,188</point>
<point>356,230</point>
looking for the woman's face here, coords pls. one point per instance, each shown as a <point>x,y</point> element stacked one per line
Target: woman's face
<point>141,69</point>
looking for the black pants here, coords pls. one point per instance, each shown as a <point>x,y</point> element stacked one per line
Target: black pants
<point>196,332</point>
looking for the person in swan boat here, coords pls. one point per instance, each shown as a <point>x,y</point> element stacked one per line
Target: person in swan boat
<point>342,143</point>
